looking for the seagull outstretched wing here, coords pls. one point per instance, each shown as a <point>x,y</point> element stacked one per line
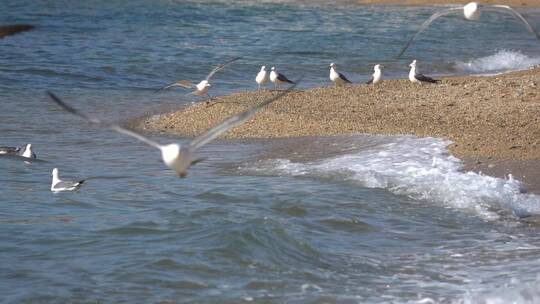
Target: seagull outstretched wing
<point>427,23</point>
<point>182,83</point>
<point>98,122</point>
<point>220,67</point>
<point>233,121</point>
<point>506,8</point>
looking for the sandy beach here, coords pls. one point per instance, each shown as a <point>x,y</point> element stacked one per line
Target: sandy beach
<point>432,2</point>
<point>491,120</point>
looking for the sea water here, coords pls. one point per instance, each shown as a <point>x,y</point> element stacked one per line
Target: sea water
<point>345,219</point>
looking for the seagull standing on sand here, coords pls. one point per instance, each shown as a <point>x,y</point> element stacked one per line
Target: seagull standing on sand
<point>25,151</point>
<point>471,11</point>
<point>59,185</point>
<point>202,87</point>
<point>278,78</point>
<point>337,77</point>
<point>417,77</point>
<point>377,74</point>
<point>262,77</point>
<point>175,156</point>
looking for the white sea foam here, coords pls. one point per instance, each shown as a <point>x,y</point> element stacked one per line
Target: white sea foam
<point>516,293</point>
<point>502,61</point>
<point>417,167</point>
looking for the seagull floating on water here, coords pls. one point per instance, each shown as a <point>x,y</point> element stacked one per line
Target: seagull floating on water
<point>175,156</point>
<point>471,11</point>
<point>202,87</point>
<point>262,77</point>
<point>337,77</point>
<point>58,185</point>
<point>25,151</point>
<point>377,74</point>
<point>6,30</point>
<point>278,78</point>
<point>417,77</point>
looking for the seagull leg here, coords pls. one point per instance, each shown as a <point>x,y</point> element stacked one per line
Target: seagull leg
<point>209,100</point>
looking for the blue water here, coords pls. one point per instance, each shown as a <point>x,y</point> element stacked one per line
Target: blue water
<point>345,219</point>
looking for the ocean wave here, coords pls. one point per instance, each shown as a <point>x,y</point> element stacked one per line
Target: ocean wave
<point>516,292</point>
<point>420,168</point>
<point>501,61</point>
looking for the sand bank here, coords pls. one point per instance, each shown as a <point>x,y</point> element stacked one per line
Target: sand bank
<point>433,2</point>
<point>486,117</point>
<point>490,119</point>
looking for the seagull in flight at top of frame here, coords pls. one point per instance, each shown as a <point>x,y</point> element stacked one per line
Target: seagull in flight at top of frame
<point>471,11</point>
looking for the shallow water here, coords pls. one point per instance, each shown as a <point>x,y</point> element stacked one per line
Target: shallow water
<point>346,219</point>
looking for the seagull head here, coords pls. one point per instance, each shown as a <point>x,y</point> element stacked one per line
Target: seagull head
<point>378,66</point>
<point>273,68</point>
<point>55,172</point>
<point>28,146</point>
<point>413,64</point>
<point>471,11</point>
<point>263,68</point>
<point>332,65</point>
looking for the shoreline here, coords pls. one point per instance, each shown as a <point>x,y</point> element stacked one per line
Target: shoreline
<point>494,121</point>
<point>515,3</point>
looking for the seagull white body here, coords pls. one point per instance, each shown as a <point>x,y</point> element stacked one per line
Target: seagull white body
<point>58,185</point>
<point>416,77</point>
<point>338,78</point>
<point>201,89</point>
<point>278,78</point>
<point>175,156</point>
<point>262,77</point>
<point>377,75</point>
<point>412,73</point>
<point>472,11</point>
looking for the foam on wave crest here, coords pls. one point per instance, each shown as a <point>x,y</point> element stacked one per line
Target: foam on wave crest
<point>420,168</point>
<point>516,293</point>
<point>502,61</point>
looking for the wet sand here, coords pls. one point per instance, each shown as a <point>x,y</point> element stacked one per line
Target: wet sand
<point>490,119</point>
<point>433,2</point>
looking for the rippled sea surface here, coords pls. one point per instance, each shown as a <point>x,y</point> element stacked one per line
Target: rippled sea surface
<point>345,219</point>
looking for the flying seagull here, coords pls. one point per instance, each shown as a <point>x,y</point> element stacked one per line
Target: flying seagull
<point>471,11</point>
<point>58,185</point>
<point>377,74</point>
<point>6,30</point>
<point>175,156</point>
<point>337,77</point>
<point>417,77</point>
<point>278,78</point>
<point>202,87</point>
<point>25,151</point>
<point>262,77</point>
